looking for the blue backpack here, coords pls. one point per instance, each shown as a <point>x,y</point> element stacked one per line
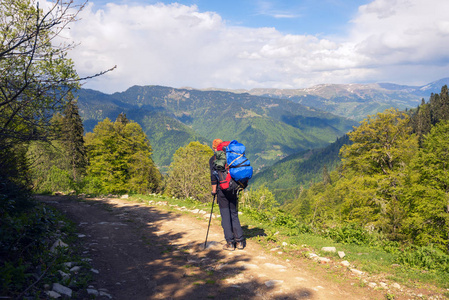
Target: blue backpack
<point>238,164</point>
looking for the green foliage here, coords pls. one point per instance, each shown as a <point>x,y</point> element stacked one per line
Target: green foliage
<point>36,75</point>
<point>388,182</point>
<point>120,158</point>
<point>189,173</point>
<point>258,199</point>
<point>24,235</point>
<point>428,194</point>
<point>289,176</point>
<point>71,136</point>
<point>427,258</point>
<point>351,234</point>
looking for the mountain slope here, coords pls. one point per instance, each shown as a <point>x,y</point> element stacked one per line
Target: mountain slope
<point>271,128</point>
<point>286,177</point>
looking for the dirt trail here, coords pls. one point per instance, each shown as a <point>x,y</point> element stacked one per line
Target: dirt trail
<point>145,252</point>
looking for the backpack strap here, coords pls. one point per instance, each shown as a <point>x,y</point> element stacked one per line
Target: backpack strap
<point>239,165</point>
<point>239,156</point>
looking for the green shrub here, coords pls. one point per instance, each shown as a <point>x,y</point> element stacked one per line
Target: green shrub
<point>351,234</point>
<point>428,258</point>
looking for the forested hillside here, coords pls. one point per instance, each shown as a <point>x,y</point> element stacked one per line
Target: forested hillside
<point>171,118</point>
<point>393,178</point>
<point>288,177</point>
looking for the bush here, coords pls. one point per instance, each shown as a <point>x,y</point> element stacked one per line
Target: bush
<point>351,234</point>
<point>427,258</point>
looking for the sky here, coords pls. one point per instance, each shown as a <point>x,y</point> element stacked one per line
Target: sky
<point>245,44</point>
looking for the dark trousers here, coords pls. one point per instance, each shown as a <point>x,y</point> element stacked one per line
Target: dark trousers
<point>229,217</point>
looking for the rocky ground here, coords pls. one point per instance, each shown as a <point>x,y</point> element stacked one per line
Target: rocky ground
<point>141,251</point>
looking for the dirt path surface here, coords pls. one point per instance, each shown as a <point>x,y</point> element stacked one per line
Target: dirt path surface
<point>146,252</point>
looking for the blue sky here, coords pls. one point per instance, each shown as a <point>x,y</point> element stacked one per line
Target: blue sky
<point>253,43</point>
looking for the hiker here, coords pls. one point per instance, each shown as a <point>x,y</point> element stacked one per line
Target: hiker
<point>227,203</point>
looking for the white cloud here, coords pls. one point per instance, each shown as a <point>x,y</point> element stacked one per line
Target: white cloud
<point>403,41</point>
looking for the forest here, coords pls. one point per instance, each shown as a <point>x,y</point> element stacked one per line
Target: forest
<point>393,177</point>
<point>392,180</point>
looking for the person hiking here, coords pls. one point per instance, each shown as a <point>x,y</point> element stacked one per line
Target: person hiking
<point>227,202</point>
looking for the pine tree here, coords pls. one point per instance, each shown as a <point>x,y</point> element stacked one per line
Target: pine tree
<point>72,137</point>
<point>326,176</point>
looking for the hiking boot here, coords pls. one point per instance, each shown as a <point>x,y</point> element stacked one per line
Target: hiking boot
<point>229,246</point>
<point>240,245</point>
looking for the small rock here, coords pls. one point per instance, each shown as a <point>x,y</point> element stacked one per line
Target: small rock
<point>125,196</point>
<point>345,263</point>
<point>383,285</point>
<point>396,286</point>
<point>341,254</point>
<point>284,244</point>
<point>323,260</point>
<point>313,255</point>
<point>105,294</point>
<point>329,249</point>
<point>250,266</point>
<point>59,288</point>
<point>58,245</point>
<point>357,272</point>
<point>372,285</point>
<point>195,211</point>
<point>273,266</point>
<point>64,275</point>
<point>271,283</point>
<point>46,286</point>
<point>92,292</point>
<point>75,269</point>
<point>53,294</point>
<point>95,271</point>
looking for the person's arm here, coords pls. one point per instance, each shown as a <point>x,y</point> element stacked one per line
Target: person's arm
<point>213,178</point>
<point>214,189</point>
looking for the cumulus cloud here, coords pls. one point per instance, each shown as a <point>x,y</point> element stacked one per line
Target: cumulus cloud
<point>402,41</point>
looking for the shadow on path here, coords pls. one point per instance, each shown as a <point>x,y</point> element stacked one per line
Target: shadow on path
<point>138,259</point>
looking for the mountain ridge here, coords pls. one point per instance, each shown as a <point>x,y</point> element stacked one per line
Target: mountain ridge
<point>354,100</point>
<point>275,128</point>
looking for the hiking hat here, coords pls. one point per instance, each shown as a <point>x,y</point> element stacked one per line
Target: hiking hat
<point>215,143</point>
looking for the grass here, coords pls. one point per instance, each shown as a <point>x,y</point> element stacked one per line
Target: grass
<point>39,227</point>
<point>372,260</point>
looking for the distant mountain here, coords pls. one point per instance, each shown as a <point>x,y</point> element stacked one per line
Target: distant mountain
<point>356,101</point>
<point>271,128</point>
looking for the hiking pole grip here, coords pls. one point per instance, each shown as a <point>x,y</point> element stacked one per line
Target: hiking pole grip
<point>210,218</point>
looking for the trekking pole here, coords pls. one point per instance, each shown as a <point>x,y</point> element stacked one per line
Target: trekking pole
<point>210,218</point>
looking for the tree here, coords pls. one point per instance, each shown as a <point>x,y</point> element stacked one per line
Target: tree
<point>189,174</point>
<point>374,171</point>
<point>428,195</point>
<point>72,138</point>
<point>119,157</point>
<point>36,76</point>
<point>380,143</point>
